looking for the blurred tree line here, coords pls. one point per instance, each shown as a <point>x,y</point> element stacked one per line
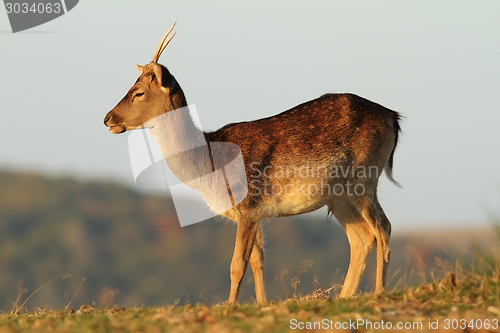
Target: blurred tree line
<point>131,251</point>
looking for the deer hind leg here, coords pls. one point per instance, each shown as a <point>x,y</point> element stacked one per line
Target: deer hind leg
<point>361,239</point>
<point>380,227</point>
<point>383,228</point>
<point>256,262</point>
<point>246,232</point>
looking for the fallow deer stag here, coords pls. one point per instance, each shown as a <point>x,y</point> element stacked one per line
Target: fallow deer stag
<point>326,152</point>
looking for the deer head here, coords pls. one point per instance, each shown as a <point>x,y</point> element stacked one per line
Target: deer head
<point>154,93</point>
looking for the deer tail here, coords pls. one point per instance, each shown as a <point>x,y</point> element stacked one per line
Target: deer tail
<point>390,160</point>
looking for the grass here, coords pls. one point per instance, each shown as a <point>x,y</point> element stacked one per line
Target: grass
<point>455,298</point>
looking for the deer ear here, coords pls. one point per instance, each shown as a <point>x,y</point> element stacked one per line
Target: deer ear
<point>140,68</point>
<point>158,74</point>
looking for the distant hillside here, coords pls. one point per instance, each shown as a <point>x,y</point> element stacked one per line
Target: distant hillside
<point>130,249</point>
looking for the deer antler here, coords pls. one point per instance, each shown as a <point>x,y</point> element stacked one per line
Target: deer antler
<point>163,44</point>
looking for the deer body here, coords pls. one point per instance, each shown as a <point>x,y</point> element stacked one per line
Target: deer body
<point>326,152</point>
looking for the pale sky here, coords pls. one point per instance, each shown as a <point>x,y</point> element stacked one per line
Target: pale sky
<point>437,63</point>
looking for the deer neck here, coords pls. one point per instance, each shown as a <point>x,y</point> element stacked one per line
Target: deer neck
<point>175,132</point>
<point>174,129</point>
<point>182,144</point>
<point>176,98</point>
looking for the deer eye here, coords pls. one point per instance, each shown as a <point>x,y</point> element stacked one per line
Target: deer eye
<point>139,94</point>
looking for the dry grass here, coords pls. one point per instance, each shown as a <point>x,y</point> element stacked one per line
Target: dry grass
<point>454,295</point>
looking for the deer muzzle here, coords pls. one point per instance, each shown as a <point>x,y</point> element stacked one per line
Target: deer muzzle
<point>115,125</point>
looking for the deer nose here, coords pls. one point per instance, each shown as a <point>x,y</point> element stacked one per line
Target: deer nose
<point>107,118</point>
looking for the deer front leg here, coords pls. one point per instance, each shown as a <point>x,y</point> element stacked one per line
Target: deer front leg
<point>256,261</point>
<point>245,238</point>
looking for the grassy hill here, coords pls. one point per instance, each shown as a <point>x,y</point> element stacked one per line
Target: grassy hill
<point>459,301</point>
